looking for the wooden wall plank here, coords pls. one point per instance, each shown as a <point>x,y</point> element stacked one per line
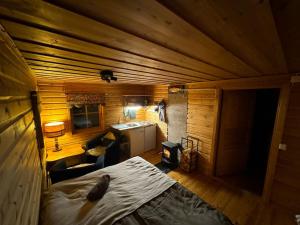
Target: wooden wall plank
<point>159,93</point>
<point>201,122</point>
<point>19,156</point>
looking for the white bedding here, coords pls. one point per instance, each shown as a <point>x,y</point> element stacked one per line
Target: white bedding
<point>133,183</point>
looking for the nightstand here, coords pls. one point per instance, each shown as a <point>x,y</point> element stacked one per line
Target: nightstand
<point>72,153</point>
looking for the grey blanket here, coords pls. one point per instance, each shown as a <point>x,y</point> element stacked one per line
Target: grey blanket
<point>176,206</point>
<point>133,183</point>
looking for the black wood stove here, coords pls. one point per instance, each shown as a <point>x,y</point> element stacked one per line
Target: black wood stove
<point>170,154</point>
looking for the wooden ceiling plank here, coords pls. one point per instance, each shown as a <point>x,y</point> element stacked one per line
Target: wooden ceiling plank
<point>119,75</point>
<point>32,34</point>
<point>287,17</point>
<point>81,64</point>
<point>75,68</point>
<point>60,78</point>
<point>33,48</point>
<point>32,62</point>
<point>63,77</point>
<point>153,22</point>
<point>245,27</point>
<point>71,24</point>
<point>63,70</point>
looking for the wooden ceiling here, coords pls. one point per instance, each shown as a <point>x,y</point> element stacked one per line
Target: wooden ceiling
<point>145,41</point>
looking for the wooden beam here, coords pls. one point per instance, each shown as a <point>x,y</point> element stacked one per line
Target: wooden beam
<point>275,81</point>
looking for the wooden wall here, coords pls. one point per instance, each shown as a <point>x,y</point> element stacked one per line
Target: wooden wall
<point>55,108</point>
<point>159,92</point>
<point>203,105</point>
<point>286,187</point>
<point>201,122</point>
<point>20,170</point>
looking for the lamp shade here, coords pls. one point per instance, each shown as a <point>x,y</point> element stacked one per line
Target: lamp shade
<point>54,129</point>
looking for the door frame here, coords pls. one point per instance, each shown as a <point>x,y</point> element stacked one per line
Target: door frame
<point>280,82</point>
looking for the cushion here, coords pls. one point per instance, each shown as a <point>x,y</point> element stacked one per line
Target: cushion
<point>106,142</point>
<point>98,191</point>
<point>109,136</point>
<point>80,165</point>
<point>99,150</point>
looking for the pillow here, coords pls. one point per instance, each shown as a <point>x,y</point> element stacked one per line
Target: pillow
<point>99,150</point>
<point>98,191</point>
<point>109,136</point>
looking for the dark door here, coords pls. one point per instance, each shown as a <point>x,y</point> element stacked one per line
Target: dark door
<point>235,131</point>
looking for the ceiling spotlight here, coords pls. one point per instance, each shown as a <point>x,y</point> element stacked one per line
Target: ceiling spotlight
<point>108,75</point>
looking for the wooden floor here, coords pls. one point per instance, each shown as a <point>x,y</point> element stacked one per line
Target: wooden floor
<point>242,207</point>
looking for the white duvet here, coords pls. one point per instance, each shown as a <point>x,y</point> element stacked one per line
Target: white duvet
<point>133,183</point>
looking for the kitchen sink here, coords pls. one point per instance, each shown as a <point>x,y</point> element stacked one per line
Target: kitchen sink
<point>125,126</point>
<point>132,124</point>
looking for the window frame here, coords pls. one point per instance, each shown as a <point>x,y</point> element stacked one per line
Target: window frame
<point>100,113</point>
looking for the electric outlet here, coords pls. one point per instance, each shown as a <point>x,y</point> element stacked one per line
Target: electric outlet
<point>283,147</point>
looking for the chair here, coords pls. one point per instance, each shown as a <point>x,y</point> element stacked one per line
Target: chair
<point>61,171</point>
<point>100,151</point>
<point>106,145</point>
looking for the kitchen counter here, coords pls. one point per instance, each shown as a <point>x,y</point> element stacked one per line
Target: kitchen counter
<point>132,125</point>
<point>141,136</point>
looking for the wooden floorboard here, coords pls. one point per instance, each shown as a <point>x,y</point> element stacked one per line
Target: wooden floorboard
<point>242,207</point>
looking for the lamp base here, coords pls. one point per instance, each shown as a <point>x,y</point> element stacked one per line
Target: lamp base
<point>57,147</point>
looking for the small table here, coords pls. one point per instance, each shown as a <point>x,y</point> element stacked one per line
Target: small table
<point>72,153</point>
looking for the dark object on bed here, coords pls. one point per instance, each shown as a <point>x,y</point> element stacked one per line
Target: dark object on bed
<point>60,170</point>
<point>111,147</point>
<point>177,205</point>
<point>99,189</point>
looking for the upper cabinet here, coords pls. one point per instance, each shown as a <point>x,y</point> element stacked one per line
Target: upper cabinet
<point>136,100</point>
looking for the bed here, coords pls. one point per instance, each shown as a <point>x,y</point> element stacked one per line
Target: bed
<point>138,193</point>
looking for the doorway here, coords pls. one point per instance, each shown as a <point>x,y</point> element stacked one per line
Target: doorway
<point>245,134</point>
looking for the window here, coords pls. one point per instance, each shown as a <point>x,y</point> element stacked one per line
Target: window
<point>85,116</point>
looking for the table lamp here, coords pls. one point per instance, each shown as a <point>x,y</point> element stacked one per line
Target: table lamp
<point>55,130</point>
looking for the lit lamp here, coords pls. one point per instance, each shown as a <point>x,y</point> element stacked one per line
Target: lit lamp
<point>55,130</point>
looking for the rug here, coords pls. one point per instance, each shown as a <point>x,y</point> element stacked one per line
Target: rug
<point>164,167</point>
